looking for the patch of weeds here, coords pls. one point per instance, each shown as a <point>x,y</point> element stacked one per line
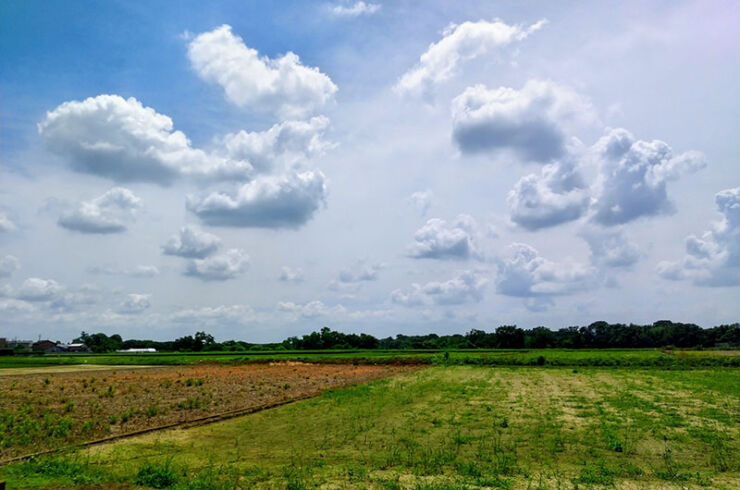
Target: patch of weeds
<point>597,474</point>
<point>157,475</point>
<point>152,410</point>
<point>68,407</point>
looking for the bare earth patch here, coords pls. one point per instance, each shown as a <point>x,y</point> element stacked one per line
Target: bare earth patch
<point>67,407</point>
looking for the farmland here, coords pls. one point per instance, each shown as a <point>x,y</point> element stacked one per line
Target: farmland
<point>468,419</point>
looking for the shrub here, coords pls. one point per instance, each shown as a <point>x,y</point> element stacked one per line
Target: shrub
<point>156,475</point>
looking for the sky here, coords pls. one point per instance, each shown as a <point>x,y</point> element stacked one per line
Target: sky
<point>259,170</point>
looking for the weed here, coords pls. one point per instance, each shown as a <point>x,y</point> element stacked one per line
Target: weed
<point>157,475</point>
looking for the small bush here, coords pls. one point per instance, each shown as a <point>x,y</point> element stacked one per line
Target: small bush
<point>156,475</point>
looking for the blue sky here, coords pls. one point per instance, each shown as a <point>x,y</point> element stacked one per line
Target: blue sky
<point>262,169</point>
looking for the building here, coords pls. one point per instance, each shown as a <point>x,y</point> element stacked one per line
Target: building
<point>45,346</point>
<point>142,350</point>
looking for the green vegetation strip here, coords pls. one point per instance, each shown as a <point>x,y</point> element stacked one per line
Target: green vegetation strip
<point>446,427</point>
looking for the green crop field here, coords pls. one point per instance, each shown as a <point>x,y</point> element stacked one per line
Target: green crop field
<point>494,419</point>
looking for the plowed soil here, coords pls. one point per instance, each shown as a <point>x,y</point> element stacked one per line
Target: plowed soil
<point>43,411</point>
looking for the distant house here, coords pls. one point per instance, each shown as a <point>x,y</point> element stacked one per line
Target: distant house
<point>77,347</point>
<point>21,345</point>
<point>45,346</point>
<point>141,350</point>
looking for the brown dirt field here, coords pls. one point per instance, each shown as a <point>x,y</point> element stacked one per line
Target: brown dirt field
<point>118,401</point>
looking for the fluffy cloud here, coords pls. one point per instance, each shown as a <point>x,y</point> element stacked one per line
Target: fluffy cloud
<point>421,201</point>
<point>291,275</point>
<point>8,265</point>
<point>284,143</point>
<point>214,316</point>
<point>466,287</point>
<point>527,121</point>
<point>71,301</point>
<point>438,239</point>
<point>191,242</point>
<point>285,201</point>
<point>312,309</point>
<point>360,272</point>
<point>37,289</point>
<point>459,43</point>
<point>524,273</point>
<point>124,141</point>
<point>282,86</point>
<point>355,10</point>
<point>610,248</point>
<point>6,224</point>
<point>633,175</point>
<point>134,304</point>
<point>229,265</point>
<point>108,213</point>
<point>556,195</point>
<point>714,258</point>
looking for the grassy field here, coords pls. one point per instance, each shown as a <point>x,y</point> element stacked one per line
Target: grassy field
<point>493,357</point>
<point>446,427</point>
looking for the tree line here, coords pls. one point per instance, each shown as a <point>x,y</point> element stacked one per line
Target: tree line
<point>596,335</point>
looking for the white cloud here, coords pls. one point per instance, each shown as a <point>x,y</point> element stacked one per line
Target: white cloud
<point>108,213</point>
<point>282,86</point>
<point>191,242</point>
<point>37,289</point>
<point>360,272</point>
<point>124,141</point>
<point>466,287</point>
<point>714,258</point>
<point>214,316</point>
<point>524,273</point>
<point>286,201</point>
<point>438,239</point>
<point>138,271</point>
<point>421,201</point>
<point>284,144</point>
<point>8,265</point>
<point>355,10</point>
<point>556,195</point>
<point>610,248</point>
<point>312,309</point>
<point>85,296</point>
<point>633,175</point>
<point>14,306</point>
<point>134,304</point>
<point>460,43</point>
<point>528,122</point>
<point>6,224</point>
<point>288,274</point>
<point>229,265</point>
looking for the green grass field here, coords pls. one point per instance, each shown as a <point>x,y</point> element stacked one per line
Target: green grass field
<point>446,427</point>
<point>493,357</point>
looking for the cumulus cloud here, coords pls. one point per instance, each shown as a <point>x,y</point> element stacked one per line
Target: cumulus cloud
<point>8,265</point>
<point>633,175</point>
<point>283,144</point>
<point>215,316</point>
<point>191,242</point>
<point>15,306</point>
<point>74,300</point>
<point>438,239</point>
<point>556,195</point>
<point>466,287</point>
<point>124,141</point>
<point>610,248</point>
<point>528,122</point>
<point>460,43</point>
<point>421,201</point>
<point>284,201</point>
<point>713,259</point>
<point>134,304</point>
<point>360,272</point>
<point>355,10</point>
<point>288,274</point>
<point>524,273</point>
<point>312,309</point>
<point>36,289</point>
<point>282,86</point>
<point>229,265</point>
<point>6,224</point>
<point>106,214</point>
